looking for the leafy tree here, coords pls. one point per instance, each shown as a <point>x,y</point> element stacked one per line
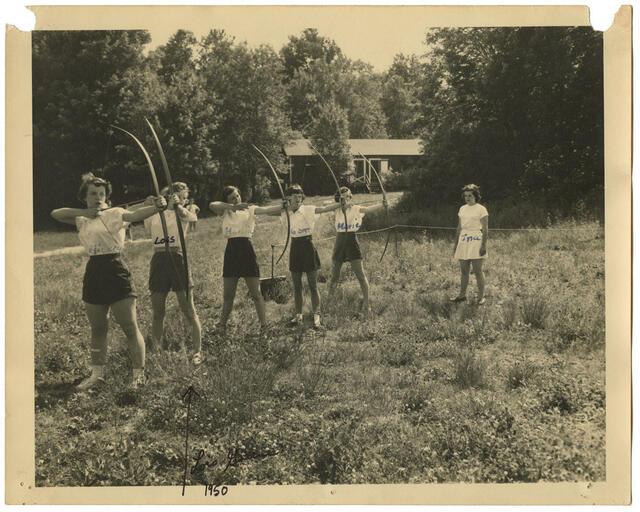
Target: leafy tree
<point>352,85</point>
<point>302,51</point>
<point>187,120</point>
<point>246,88</point>
<point>329,135</point>
<point>517,110</point>
<point>399,100</point>
<point>83,81</point>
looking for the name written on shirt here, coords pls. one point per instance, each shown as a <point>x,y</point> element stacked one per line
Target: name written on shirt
<point>352,227</point>
<point>306,231</point>
<point>160,241</point>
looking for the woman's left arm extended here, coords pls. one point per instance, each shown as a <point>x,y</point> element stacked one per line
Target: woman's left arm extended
<point>160,204</point>
<point>329,208</point>
<point>485,234</point>
<point>271,210</point>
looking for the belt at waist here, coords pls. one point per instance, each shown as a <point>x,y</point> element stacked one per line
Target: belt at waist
<point>110,256</point>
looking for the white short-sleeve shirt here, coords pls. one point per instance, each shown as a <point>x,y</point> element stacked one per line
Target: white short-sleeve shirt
<point>354,218</point>
<point>104,234</point>
<point>154,224</point>
<point>239,224</point>
<point>470,216</point>
<point>302,220</point>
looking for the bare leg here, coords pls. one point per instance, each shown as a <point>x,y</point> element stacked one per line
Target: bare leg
<point>477,270</point>
<point>335,276</point>
<point>230,284</point>
<point>312,281</point>
<point>189,311</point>
<point>158,303</point>
<point>253,283</point>
<point>296,278</point>
<point>358,270</point>
<point>465,266</point>
<point>99,320</point>
<point>124,311</point>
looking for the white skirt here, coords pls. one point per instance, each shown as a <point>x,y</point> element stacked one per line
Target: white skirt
<point>469,246</point>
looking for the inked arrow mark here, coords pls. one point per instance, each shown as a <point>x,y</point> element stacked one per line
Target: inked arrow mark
<point>187,396</point>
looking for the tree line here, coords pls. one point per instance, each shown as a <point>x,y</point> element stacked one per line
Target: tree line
<point>517,110</point>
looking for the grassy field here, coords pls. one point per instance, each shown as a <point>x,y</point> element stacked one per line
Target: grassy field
<point>424,391</point>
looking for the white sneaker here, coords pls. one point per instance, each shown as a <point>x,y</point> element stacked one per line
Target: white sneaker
<point>197,358</point>
<point>90,382</point>
<point>138,382</point>
<point>296,320</point>
<point>316,322</point>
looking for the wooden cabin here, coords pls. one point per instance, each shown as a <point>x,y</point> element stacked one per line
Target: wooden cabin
<point>386,155</point>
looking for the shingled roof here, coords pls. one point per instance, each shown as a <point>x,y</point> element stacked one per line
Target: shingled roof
<point>387,147</point>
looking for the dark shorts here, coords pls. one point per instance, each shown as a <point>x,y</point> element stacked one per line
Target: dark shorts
<point>167,272</point>
<point>303,256</point>
<point>346,248</point>
<point>106,280</point>
<point>240,259</point>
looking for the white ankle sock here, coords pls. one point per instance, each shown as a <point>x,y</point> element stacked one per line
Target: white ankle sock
<point>138,372</point>
<point>97,371</point>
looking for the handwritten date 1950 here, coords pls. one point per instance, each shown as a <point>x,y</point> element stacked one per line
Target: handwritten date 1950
<point>215,490</point>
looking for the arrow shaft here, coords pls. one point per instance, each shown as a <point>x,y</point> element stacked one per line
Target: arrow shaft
<point>186,446</point>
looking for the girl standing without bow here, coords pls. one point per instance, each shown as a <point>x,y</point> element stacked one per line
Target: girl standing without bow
<point>238,224</point>
<point>166,272</point>
<point>471,241</point>
<point>107,281</point>
<point>303,256</point>
<point>347,247</point>
<point>195,210</point>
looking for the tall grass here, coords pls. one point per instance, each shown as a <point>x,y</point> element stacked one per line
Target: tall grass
<point>401,397</point>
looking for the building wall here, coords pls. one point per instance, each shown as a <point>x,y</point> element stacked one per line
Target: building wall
<point>311,173</point>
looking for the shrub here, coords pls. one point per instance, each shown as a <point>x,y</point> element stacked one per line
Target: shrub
<point>470,371</point>
<point>535,311</point>
<point>520,374</point>
<point>509,313</point>
<point>397,353</point>
<point>312,372</point>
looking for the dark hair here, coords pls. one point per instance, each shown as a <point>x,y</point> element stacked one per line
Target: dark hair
<point>474,189</point>
<point>294,189</point>
<point>229,189</point>
<point>336,196</point>
<point>91,179</point>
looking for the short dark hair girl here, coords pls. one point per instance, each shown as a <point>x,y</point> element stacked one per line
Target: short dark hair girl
<point>294,189</point>
<point>229,189</point>
<point>91,179</point>
<point>474,189</point>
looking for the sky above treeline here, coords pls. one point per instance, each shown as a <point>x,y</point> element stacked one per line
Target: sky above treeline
<point>372,36</point>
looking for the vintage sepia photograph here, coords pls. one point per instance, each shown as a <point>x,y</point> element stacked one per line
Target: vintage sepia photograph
<point>293,256</point>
